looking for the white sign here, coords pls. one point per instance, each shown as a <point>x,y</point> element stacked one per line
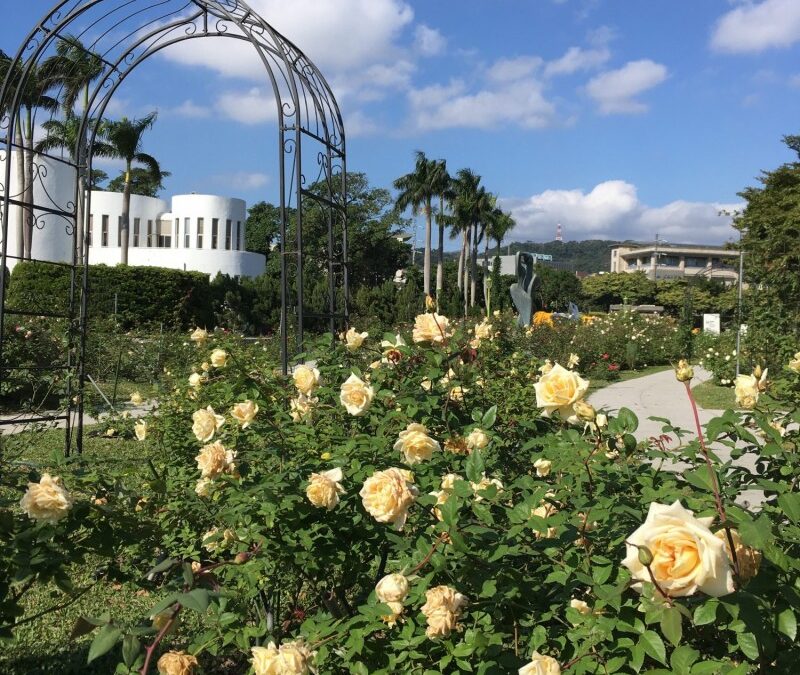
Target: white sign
<point>711,323</point>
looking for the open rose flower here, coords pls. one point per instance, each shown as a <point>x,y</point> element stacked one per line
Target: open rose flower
<point>558,390</point>
<point>392,588</point>
<point>324,488</point>
<point>140,430</point>
<point>387,495</point>
<point>687,557</point>
<point>794,363</point>
<point>573,361</point>
<point>541,665</point>
<point>483,330</point>
<point>356,395</point>
<point>291,658</point>
<point>542,467</point>
<point>302,407</point>
<point>484,484</point>
<point>214,460</point>
<point>218,358</point>
<point>136,398</point>
<point>448,482</point>
<point>415,444</point>
<point>46,501</point>
<point>206,423</point>
<point>177,663</point>
<point>244,413</point>
<point>749,559</point>
<point>431,328</point>
<point>442,609</point>
<point>306,379</point>
<point>353,339</point>
<point>477,439</point>
<point>199,335</point>
<point>196,380</point>
<point>747,388</point>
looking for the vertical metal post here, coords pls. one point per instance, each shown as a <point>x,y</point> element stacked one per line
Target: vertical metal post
<point>739,308</point>
<point>298,165</point>
<point>284,279</point>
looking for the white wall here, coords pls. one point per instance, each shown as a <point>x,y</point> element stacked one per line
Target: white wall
<point>54,188</point>
<point>209,207</point>
<point>110,204</point>
<point>234,263</point>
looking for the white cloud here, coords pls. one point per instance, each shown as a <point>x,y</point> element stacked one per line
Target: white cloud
<point>508,70</point>
<point>612,210</point>
<point>576,59</point>
<point>242,180</point>
<point>615,91</point>
<point>191,110</point>
<point>253,106</point>
<point>358,123</point>
<point>428,41</point>
<point>754,27</point>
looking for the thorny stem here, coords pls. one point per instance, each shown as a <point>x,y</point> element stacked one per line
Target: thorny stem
<point>714,481</point>
<point>425,560</point>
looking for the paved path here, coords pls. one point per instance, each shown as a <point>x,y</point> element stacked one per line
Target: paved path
<point>19,425</point>
<point>661,395</point>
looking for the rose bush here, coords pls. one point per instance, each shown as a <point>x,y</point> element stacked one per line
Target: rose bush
<point>429,532</point>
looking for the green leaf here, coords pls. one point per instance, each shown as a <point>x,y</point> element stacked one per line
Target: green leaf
<point>196,600</point>
<point>83,626</point>
<point>130,649</point>
<point>748,644</point>
<point>790,503</point>
<point>700,478</point>
<point>654,646</point>
<point>104,641</point>
<point>787,623</point>
<point>682,659</point>
<point>671,625</point>
<point>475,466</point>
<point>706,613</point>
<point>627,419</point>
<point>163,566</point>
<point>489,417</point>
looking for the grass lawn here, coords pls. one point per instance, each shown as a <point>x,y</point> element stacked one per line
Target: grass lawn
<point>43,645</point>
<point>714,396</point>
<point>626,375</point>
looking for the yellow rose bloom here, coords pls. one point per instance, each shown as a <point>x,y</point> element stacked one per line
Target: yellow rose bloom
<point>214,460</point>
<point>177,663</point>
<point>442,609</point>
<point>687,557</point>
<point>541,665</point>
<point>140,429</point>
<point>244,413</point>
<point>324,488</point>
<point>392,588</point>
<point>353,339</point>
<point>219,358</point>
<point>794,364</point>
<point>542,467</point>
<point>136,398</point>
<point>306,379</point>
<point>206,424</point>
<point>749,559</point>
<point>356,395</point>
<point>483,484</point>
<point>199,335</point>
<point>387,495</point>
<point>483,330</point>
<point>46,501</point>
<point>415,444</point>
<point>477,439</point>
<point>431,328</point>
<point>746,390</point>
<point>291,658</point>
<point>302,407</point>
<point>558,390</point>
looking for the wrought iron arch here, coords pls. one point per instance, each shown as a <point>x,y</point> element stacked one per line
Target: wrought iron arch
<point>122,35</point>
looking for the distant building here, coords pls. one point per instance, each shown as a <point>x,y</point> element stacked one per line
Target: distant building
<point>508,263</point>
<point>674,261</point>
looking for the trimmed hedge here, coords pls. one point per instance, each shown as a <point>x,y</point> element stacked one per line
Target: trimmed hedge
<point>145,296</point>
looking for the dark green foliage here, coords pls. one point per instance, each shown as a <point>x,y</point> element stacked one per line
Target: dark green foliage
<point>559,288</point>
<point>263,226</point>
<point>603,290</point>
<point>143,182</point>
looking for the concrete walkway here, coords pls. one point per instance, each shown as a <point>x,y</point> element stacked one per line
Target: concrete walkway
<point>18,424</point>
<point>661,395</point>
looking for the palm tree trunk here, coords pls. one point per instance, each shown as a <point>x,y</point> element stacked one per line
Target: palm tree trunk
<point>461,258</point>
<point>426,272</point>
<point>126,210</point>
<point>20,252</point>
<point>467,269</point>
<point>486,270</point>
<point>27,235</point>
<point>473,288</point>
<point>440,263</point>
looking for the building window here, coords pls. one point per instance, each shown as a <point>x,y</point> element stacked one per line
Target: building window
<point>214,232</point>
<point>136,232</point>
<point>227,235</point>
<point>693,261</point>
<point>164,233</point>
<point>199,233</point>
<point>104,232</point>
<point>119,231</point>
<point>238,235</point>
<point>91,227</point>
<point>177,232</point>
<point>149,233</point>
<point>187,241</point>
<point>669,260</point>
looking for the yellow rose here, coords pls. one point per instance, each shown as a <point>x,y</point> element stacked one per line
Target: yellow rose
<point>244,413</point>
<point>442,610</point>
<point>581,606</point>
<point>573,361</point>
<point>457,393</point>
<point>203,487</point>
<point>541,665</point>
<point>483,484</point>
<point>306,379</point>
<point>228,537</point>
<point>483,330</point>
<point>136,398</point>
<point>324,488</point>
<point>392,588</point>
<point>206,424</point>
<point>397,611</point>
<point>544,511</point>
<point>140,429</point>
<point>457,445</point>
<point>687,557</point>
<point>430,303</point>
<point>415,444</point>
<point>302,407</point>
<point>356,395</point>
<point>684,372</point>
<point>601,420</point>
<point>46,501</point>
<point>542,467</point>
<point>749,559</point>
<point>746,390</point>
<point>558,390</point>
<point>199,335</point>
<point>205,367</point>
<point>431,328</point>
<point>353,339</point>
<point>219,358</point>
<point>291,658</point>
<point>177,663</point>
<point>448,481</point>
<point>214,460</point>
<point>477,439</point>
<point>546,367</point>
<point>794,364</point>
<point>196,380</point>
<point>386,495</point>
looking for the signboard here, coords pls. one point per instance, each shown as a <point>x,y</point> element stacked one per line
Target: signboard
<point>711,323</point>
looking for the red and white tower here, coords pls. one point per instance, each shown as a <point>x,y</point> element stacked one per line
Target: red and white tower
<point>558,233</point>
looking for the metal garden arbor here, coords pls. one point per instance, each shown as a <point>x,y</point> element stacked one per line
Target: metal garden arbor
<point>123,34</point>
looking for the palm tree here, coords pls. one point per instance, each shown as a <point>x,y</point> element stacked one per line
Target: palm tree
<point>417,189</point>
<point>444,185</point>
<point>125,137</point>
<point>465,187</point>
<point>5,67</point>
<point>497,225</point>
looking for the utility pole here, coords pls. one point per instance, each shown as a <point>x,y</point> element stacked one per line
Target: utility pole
<point>739,307</point>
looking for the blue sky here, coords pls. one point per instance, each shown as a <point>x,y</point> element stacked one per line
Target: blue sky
<point>616,118</point>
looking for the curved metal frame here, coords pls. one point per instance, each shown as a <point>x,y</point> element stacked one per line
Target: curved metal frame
<point>125,34</point>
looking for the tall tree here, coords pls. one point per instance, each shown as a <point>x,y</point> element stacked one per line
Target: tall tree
<point>125,137</point>
<point>417,190</point>
<point>443,183</point>
<point>466,188</point>
<point>5,68</point>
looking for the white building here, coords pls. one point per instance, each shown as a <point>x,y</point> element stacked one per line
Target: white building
<point>670,261</point>
<point>202,233</point>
